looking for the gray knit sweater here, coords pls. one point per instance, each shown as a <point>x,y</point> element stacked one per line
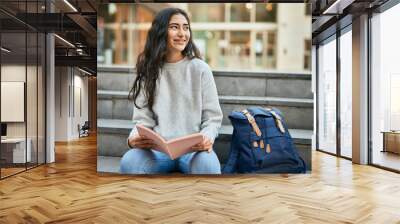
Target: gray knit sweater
<point>186,102</point>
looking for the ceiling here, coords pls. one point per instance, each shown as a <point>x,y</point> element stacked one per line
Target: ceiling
<point>72,20</point>
<point>330,15</point>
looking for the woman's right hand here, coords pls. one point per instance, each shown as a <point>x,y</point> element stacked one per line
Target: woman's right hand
<point>141,142</point>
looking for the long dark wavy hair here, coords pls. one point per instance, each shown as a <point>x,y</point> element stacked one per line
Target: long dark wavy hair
<point>153,57</point>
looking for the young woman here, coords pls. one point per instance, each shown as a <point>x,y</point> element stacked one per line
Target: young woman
<point>174,94</point>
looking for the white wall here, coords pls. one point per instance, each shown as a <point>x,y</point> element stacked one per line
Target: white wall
<point>82,82</point>
<point>294,29</point>
<point>12,100</point>
<point>79,117</point>
<point>69,82</point>
<point>61,103</point>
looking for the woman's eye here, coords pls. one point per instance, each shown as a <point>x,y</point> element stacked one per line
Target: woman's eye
<point>174,27</point>
<point>185,28</point>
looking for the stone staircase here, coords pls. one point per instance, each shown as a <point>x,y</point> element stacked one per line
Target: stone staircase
<point>291,93</point>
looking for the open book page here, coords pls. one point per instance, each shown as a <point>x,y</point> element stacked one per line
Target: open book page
<point>158,140</point>
<point>183,145</point>
<point>174,148</point>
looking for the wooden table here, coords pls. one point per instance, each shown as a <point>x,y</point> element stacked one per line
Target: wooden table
<point>391,141</point>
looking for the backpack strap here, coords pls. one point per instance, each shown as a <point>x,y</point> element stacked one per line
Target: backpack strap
<point>252,121</point>
<point>256,129</point>
<point>277,118</point>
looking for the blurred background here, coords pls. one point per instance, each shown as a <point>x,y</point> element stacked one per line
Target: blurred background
<point>230,36</point>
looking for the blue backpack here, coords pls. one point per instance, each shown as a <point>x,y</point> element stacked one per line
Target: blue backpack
<point>261,143</point>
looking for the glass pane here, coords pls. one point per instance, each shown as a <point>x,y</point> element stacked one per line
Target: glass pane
<point>211,47</point>
<point>238,54</point>
<point>386,89</point>
<point>13,87</point>
<point>31,98</point>
<point>41,98</point>
<point>266,12</point>
<point>108,48</point>
<point>307,54</point>
<point>346,94</point>
<point>207,12</point>
<point>107,12</point>
<point>240,12</point>
<point>263,60</point>
<point>327,97</point>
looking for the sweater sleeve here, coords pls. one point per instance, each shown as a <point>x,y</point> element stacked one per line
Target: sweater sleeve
<point>211,116</point>
<point>142,116</point>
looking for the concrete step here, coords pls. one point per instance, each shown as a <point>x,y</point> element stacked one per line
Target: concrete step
<point>108,164</point>
<point>115,78</point>
<point>238,83</point>
<point>298,112</point>
<point>112,104</point>
<point>114,126</point>
<point>112,136</point>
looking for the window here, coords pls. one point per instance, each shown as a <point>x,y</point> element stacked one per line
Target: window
<point>266,12</point>
<point>307,54</point>
<point>308,9</point>
<point>206,12</point>
<point>271,44</point>
<point>327,96</point>
<point>385,86</point>
<point>240,12</point>
<point>346,94</point>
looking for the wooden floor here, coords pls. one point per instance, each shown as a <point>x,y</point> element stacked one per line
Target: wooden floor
<point>71,191</point>
<point>10,171</point>
<point>387,159</point>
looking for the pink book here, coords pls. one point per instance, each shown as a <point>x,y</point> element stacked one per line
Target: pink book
<point>174,147</point>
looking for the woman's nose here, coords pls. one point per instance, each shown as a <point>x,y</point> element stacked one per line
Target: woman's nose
<point>180,33</point>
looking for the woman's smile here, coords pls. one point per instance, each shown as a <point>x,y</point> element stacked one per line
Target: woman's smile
<point>180,42</point>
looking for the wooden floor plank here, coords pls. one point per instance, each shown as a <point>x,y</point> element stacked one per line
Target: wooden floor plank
<point>71,191</point>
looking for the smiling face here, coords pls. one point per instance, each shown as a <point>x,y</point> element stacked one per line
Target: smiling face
<point>178,33</point>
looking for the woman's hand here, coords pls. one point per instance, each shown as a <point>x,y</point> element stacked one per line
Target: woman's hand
<point>205,145</point>
<point>141,142</point>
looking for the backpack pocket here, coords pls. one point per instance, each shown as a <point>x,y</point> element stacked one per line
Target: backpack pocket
<point>276,148</point>
<point>258,149</point>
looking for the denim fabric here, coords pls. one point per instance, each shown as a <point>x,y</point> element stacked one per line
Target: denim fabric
<point>148,161</point>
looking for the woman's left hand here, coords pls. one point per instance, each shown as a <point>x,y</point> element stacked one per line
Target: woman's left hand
<point>205,145</point>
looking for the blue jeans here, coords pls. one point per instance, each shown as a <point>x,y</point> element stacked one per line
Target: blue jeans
<point>148,161</point>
